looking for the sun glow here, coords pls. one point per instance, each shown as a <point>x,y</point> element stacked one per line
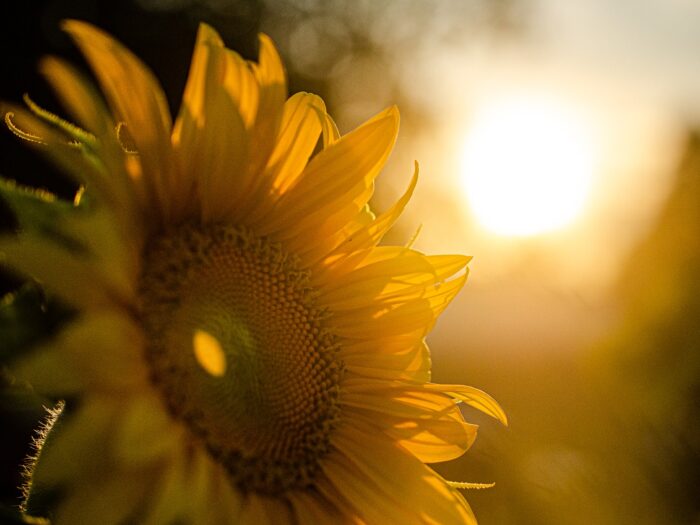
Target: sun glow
<point>527,166</point>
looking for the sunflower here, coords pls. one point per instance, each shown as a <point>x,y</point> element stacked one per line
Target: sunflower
<point>243,350</point>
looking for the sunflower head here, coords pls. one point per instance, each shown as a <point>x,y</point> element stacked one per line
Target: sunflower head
<point>240,350</point>
<point>245,349</point>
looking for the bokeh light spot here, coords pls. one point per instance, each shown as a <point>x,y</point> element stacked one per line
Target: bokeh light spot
<point>209,353</point>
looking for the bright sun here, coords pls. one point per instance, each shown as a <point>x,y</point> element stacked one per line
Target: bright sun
<point>527,166</point>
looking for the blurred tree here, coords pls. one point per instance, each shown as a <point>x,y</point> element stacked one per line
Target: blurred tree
<point>654,358</point>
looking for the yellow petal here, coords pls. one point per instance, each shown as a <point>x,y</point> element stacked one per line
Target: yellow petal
<point>393,319</point>
<point>209,137</point>
<point>369,235</point>
<point>400,400</point>
<point>263,510</point>
<point>475,398</point>
<point>72,277</point>
<point>169,499</point>
<point>314,508</point>
<point>100,141</point>
<point>352,214</point>
<point>242,86</point>
<point>374,473</point>
<point>81,100</point>
<point>208,499</point>
<point>407,363</point>
<point>443,437</point>
<point>411,276</point>
<point>91,227</point>
<point>192,489</point>
<point>117,195</point>
<point>296,140</point>
<point>79,97</point>
<point>439,441</point>
<point>107,500</point>
<point>136,99</point>
<point>364,392</point>
<point>84,104</point>
<point>145,432</point>
<point>99,351</point>
<point>194,99</point>
<point>340,175</point>
<point>298,135</point>
<point>330,130</point>
<point>54,143</point>
<point>272,82</point>
<point>78,447</point>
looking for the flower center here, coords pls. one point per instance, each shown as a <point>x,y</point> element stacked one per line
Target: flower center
<point>240,352</point>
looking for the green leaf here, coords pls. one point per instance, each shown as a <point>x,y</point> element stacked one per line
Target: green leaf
<point>12,516</point>
<point>28,317</point>
<point>40,211</point>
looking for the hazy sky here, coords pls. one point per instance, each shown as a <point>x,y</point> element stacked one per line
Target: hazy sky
<point>631,69</point>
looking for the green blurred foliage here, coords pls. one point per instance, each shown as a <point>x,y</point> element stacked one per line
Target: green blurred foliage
<point>28,316</point>
<point>654,357</point>
<point>610,436</point>
<point>12,516</point>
